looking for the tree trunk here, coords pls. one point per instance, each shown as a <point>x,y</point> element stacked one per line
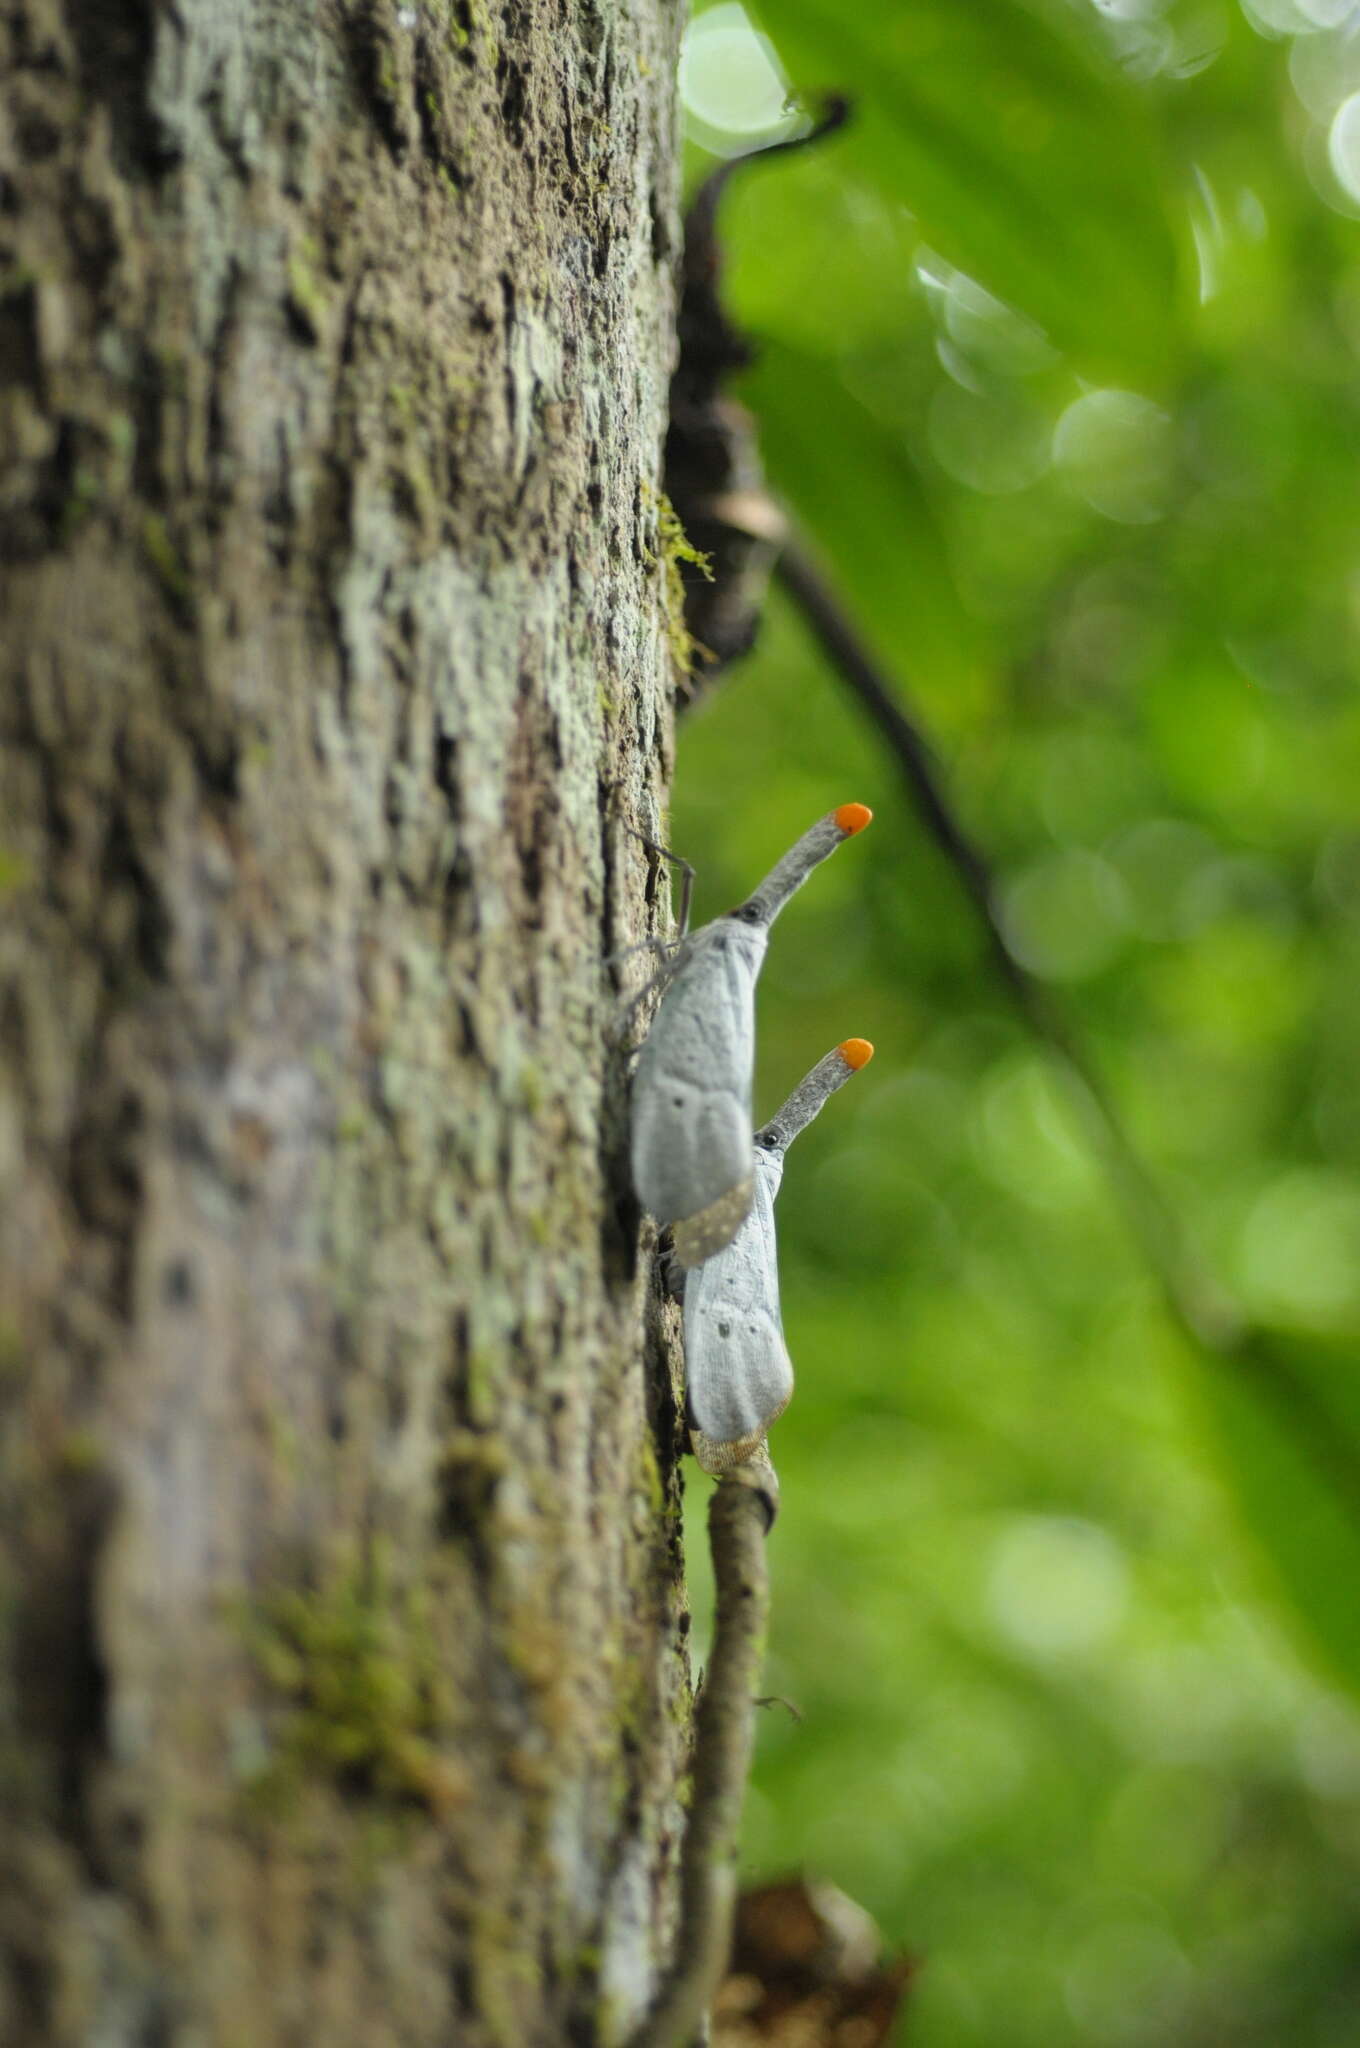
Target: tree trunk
<point>345,1695</point>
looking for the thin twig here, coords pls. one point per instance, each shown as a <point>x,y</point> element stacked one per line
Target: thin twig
<point>1194,1301</point>
<point>724,1733</point>
<point>841,642</point>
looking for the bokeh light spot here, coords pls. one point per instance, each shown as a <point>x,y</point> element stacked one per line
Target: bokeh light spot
<point>1159,860</point>
<point>1057,1586</point>
<point>1066,915</point>
<point>1343,145</point>
<point>1113,448</point>
<point>1299,1251</point>
<point>1325,70</point>
<point>1326,13</point>
<point>991,333</point>
<point>730,81</point>
<point>992,443</point>
<point>1278,18</point>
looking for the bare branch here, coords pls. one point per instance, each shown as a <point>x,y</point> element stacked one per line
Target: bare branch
<point>738,1517</point>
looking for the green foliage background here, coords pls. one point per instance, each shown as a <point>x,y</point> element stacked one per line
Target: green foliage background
<point>1059,373</point>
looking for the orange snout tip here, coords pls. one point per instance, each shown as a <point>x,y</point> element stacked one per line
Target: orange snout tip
<point>856,1052</point>
<point>852,818</point>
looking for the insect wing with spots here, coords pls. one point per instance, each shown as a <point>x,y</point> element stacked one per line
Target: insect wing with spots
<point>738,1374</point>
<point>691,1140</point>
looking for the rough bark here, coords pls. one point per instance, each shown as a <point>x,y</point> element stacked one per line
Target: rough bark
<point>344,1691</point>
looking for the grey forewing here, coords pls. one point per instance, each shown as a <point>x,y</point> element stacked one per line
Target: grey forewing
<point>704,1028</point>
<point>692,1089</point>
<point>737,1368</point>
<point>689,1149</point>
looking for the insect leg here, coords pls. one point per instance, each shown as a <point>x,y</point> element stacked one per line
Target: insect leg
<point>676,860</point>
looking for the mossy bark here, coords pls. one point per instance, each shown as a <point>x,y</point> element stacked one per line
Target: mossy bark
<point>344,1691</point>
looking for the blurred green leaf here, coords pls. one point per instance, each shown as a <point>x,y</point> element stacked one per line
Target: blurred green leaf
<point>1027,159</point>
<point>865,506</point>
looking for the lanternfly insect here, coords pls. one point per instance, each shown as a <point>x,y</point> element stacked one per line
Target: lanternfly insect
<point>692,1164</point>
<point>738,1375</point>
